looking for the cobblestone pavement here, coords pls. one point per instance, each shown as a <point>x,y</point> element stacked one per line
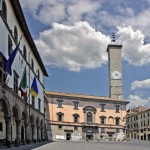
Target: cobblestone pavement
<point>131,145</point>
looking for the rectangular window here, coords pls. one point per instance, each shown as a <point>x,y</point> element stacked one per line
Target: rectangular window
<point>102,120</point>
<point>117,108</point>
<point>102,107</point>
<point>16,82</point>
<point>117,121</point>
<point>76,105</point>
<point>10,50</point>
<point>75,118</point>
<point>59,102</point>
<point>39,104</point>
<point>59,117</point>
<point>1,126</point>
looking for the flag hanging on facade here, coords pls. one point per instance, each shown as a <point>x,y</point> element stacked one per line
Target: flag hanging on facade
<point>34,88</point>
<point>23,84</point>
<point>11,59</point>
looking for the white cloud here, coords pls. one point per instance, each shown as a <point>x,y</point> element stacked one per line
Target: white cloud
<point>134,50</point>
<point>140,84</point>
<point>136,101</point>
<point>80,46</point>
<point>49,11</point>
<point>79,8</point>
<point>74,47</point>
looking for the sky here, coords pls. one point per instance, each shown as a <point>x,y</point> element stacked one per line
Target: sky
<point>72,37</point>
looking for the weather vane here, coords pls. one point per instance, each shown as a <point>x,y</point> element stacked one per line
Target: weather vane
<point>113,37</point>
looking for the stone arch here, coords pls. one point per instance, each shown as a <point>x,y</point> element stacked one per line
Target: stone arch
<point>16,112</point>
<point>25,116</point>
<point>32,119</point>
<point>6,106</point>
<point>37,121</point>
<point>89,109</point>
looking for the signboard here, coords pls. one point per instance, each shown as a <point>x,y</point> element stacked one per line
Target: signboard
<point>89,132</point>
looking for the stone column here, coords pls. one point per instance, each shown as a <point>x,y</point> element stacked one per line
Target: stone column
<point>33,133</point>
<point>27,133</point>
<point>38,138</point>
<point>43,134</point>
<point>8,131</point>
<point>40,134</point>
<point>18,129</point>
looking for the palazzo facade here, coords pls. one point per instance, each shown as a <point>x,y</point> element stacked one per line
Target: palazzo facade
<point>22,119</point>
<point>138,123</point>
<point>81,117</point>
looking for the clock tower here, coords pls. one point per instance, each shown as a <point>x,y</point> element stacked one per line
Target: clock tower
<point>115,71</point>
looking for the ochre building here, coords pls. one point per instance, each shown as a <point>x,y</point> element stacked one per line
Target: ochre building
<point>83,117</point>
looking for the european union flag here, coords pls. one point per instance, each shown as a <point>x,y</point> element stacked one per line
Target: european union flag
<point>11,59</point>
<point>34,88</point>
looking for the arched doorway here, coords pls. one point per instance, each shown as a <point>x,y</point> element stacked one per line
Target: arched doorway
<point>5,122</point>
<point>24,128</point>
<point>16,125</point>
<point>89,134</point>
<point>32,128</point>
<point>37,129</point>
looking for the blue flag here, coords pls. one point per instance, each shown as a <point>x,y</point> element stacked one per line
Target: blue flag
<point>34,88</point>
<point>11,59</point>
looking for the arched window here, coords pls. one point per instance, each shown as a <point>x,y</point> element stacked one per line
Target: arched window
<point>24,52</point>
<point>89,117</point>
<point>4,10</point>
<point>76,117</point>
<point>32,64</point>
<point>15,34</point>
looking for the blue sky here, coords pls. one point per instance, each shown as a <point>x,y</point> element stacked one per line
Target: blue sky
<point>72,37</point>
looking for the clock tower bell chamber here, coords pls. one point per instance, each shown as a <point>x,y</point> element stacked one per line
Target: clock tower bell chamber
<point>115,71</point>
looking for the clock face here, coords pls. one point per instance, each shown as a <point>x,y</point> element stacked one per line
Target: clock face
<point>116,75</point>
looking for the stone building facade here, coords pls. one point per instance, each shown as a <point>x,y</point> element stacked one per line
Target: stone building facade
<point>82,117</point>
<point>22,119</point>
<point>138,123</point>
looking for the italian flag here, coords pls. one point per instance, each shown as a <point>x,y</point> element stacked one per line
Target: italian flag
<point>23,84</point>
